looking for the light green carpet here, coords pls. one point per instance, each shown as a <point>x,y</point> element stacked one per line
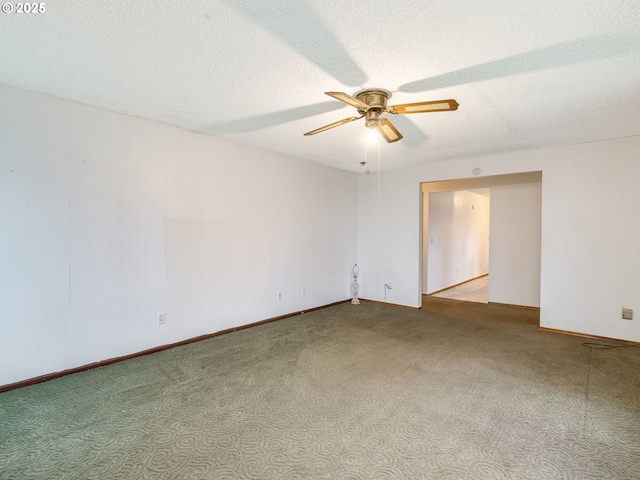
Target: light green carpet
<point>454,391</point>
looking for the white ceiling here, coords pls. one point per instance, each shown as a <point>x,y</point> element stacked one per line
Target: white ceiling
<point>526,74</point>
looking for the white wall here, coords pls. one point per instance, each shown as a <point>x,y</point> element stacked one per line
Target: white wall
<point>589,263</point>
<point>109,219</point>
<point>515,244</point>
<point>458,238</point>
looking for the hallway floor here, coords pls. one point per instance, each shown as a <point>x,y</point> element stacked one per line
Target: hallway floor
<point>473,291</point>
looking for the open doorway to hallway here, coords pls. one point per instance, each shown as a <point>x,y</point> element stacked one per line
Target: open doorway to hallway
<point>513,238</point>
<point>458,245</point>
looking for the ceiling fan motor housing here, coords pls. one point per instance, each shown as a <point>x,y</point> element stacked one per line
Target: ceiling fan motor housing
<point>377,104</point>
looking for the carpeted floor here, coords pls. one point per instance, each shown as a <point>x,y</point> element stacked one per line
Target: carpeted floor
<point>453,391</point>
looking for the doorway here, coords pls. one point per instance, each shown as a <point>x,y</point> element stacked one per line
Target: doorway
<point>513,238</point>
<point>458,245</point>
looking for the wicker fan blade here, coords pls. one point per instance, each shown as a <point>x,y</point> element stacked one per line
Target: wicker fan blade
<point>348,99</point>
<point>424,107</point>
<point>332,125</point>
<point>388,131</point>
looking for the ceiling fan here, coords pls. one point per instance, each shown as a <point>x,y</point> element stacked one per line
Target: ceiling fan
<point>372,102</point>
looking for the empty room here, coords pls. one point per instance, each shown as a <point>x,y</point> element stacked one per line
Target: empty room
<point>227,226</point>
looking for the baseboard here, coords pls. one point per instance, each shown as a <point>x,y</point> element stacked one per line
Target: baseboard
<point>586,335</point>
<point>514,306</point>
<point>102,363</point>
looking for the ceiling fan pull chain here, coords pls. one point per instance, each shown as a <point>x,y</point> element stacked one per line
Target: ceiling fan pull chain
<point>378,165</point>
<point>366,151</point>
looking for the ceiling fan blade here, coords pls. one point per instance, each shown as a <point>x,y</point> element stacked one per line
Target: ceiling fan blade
<point>348,99</point>
<point>333,125</point>
<point>424,107</point>
<point>388,131</point>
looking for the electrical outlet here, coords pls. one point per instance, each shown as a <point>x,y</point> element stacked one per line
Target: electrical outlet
<point>162,318</point>
<point>279,295</point>
<point>627,314</point>
<point>388,286</point>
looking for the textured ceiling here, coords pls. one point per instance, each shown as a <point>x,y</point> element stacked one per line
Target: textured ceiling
<point>526,74</point>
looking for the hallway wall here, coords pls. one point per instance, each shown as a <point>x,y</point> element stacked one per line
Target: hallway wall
<point>514,259</point>
<point>458,238</point>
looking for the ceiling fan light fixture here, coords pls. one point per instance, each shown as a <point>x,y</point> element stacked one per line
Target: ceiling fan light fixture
<point>372,118</point>
<point>372,135</point>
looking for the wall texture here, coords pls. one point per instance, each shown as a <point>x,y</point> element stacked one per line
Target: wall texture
<point>589,264</point>
<point>108,220</point>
